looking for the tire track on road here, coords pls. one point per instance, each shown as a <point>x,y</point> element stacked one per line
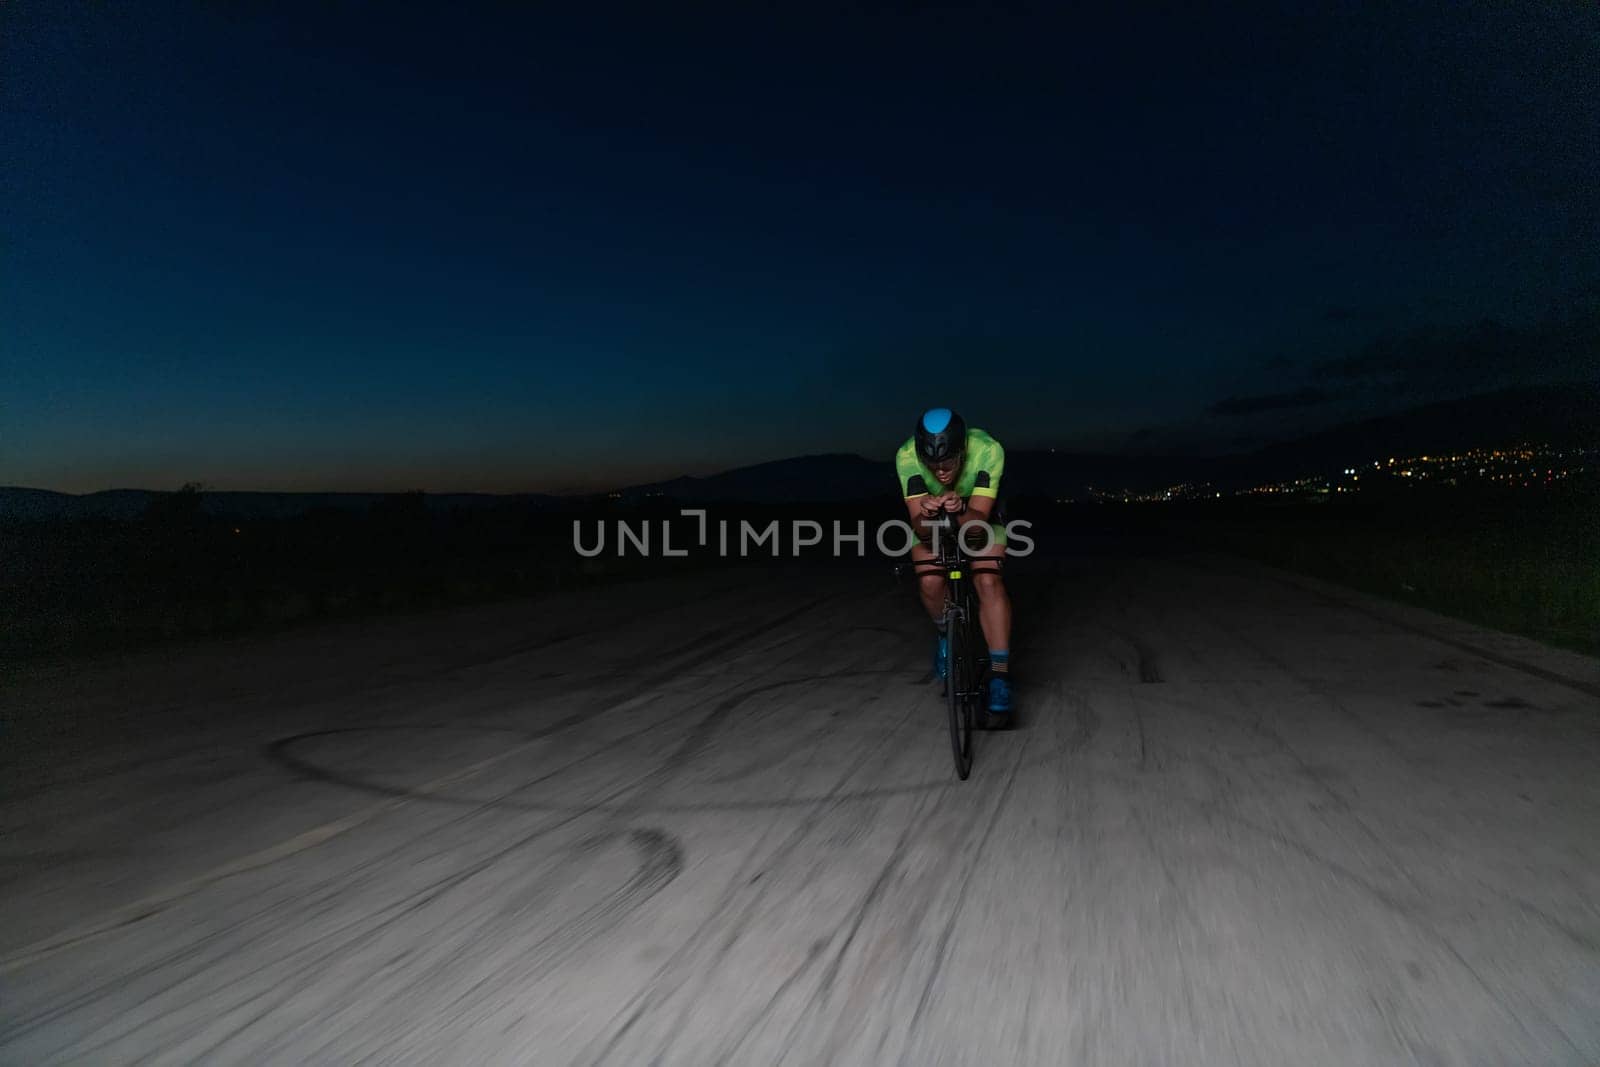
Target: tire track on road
<point>1309,771</point>
<point>190,743</point>
<point>942,950</point>
<point>157,902</point>
<point>1284,578</point>
<point>329,889</point>
<point>658,989</point>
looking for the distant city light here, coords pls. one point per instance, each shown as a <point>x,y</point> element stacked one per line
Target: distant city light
<point>1513,467</point>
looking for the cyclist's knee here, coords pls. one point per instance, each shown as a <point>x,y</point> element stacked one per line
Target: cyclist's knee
<point>932,584</point>
<point>988,584</point>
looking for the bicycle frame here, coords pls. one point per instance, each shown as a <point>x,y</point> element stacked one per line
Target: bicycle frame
<point>965,664</point>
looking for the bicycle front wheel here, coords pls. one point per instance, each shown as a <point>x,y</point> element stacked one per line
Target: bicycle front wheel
<point>959,683</point>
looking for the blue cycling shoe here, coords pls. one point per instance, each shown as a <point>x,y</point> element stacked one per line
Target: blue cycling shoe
<point>941,657</point>
<point>999,695</point>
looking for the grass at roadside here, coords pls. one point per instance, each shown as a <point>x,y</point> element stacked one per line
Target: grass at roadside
<point>92,586</point>
<point>1526,564</point>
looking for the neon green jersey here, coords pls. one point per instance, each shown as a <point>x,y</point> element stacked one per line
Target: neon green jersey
<point>979,475</point>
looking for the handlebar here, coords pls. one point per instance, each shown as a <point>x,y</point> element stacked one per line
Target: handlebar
<point>952,556</point>
<point>969,566</point>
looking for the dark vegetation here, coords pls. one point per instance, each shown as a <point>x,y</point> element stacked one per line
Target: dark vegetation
<point>83,585</point>
<point>1523,560</point>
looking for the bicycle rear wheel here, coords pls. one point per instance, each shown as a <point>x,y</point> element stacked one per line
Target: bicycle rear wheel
<point>958,691</point>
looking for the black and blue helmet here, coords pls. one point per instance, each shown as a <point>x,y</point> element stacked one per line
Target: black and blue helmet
<point>941,435</point>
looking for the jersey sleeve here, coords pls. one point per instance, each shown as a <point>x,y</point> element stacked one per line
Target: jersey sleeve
<point>992,465</point>
<point>908,472</point>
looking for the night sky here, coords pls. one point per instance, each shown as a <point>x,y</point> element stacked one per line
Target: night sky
<point>333,246</point>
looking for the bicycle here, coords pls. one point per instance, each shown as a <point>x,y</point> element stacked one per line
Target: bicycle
<point>966,658</point>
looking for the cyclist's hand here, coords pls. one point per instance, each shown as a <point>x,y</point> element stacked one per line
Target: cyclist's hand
<point>952,501</point>
<point>931,506</point>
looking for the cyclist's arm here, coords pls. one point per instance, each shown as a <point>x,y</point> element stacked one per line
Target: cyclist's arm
<point>979,508</point>
<point>986,491</point>
<point>914,490</point>
<point>919,515</point>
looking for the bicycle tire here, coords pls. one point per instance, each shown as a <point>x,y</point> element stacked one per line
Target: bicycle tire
<point>957,686</point>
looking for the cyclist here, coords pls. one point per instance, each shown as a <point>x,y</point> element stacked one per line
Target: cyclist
<point>948,467</point>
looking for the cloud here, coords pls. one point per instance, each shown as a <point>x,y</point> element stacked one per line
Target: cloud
<point>1485,355</point>
<point>1399,369</point>
<point>1235,406</point>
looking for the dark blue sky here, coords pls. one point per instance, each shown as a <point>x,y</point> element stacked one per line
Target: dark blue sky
<point>347,246</point>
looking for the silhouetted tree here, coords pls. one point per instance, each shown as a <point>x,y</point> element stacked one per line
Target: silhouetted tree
<point>176,510</point>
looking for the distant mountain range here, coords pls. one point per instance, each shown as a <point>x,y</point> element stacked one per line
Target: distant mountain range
<point>1562,415</point>
<point>837,476</point>
<point>18,503</point>
<point>847,477</point>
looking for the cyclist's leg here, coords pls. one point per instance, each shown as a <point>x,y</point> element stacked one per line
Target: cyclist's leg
<point>930,586</point>
<point>994,606</point>
<point>994,611</point>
